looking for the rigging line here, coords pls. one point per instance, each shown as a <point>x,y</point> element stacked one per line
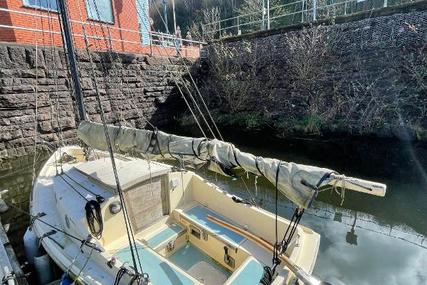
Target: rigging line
<point>125,213</point>
<point>84,266</point>
<point>182,80</point>
<point>249,192</point>
<point>55,76</point>
<point>64,47</point>
<point>38,218</point>
<point>72,187</point>
<point>191,110</point>
<point>131,245</point>
<point>201,98</point>
<point>128,226</point>
<point>189,73</point>
<point>79,184</point>
<point>109,52</point>
<point>36,92</point>
<point>122,71</point>
<point>176,83</point>
<point>138,110</point>
<point>118,185</point>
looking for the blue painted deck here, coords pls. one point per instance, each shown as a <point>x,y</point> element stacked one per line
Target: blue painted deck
<point>165,234</point>
<point>250,275</point>
<point>200,214</point>
<point>161,273</point>
<point>189,255</point>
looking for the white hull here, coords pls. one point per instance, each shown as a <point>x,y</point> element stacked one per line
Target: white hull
<point>163,228</point>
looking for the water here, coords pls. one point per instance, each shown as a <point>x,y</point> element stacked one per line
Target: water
<point>367,240</point>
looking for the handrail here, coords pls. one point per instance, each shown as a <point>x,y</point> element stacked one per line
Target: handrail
<point>151,34</point>
<point>310,11</point>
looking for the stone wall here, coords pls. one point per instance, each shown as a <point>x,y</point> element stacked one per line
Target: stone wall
<point>134,89</point>
<point>364,77</point>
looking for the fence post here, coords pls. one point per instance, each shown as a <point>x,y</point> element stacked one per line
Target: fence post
<point>315,10</point>
<point>239,32</point>
<point>302,11</point>
<point>263,15</point>
<point>268,14</point>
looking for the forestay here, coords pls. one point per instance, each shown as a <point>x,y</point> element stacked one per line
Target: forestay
<point>297,182</point>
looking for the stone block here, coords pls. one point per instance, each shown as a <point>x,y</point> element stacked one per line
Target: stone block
<point>33,73</point>
<point>5,61</point>
<point>18,56</point>
<point>35,60</point>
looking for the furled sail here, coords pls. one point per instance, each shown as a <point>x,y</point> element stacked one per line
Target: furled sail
<point>297,182</point>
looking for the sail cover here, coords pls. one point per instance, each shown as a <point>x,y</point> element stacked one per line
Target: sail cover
<point>297,182</point>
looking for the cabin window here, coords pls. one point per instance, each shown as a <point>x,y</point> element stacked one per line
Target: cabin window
<point>42,4</point>
<point>100,10</point>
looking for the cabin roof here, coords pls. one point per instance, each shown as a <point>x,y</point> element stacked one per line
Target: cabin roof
<point>131,172</point>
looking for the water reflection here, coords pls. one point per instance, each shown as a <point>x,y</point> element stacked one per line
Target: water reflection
<point>351,237</point>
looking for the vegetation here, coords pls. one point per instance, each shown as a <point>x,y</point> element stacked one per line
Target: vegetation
<point>314,89</point>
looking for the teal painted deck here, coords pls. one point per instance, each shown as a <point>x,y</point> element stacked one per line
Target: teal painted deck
<point>200,214</point>
<point>189,255</point>
<point>161,273</point>
<point>250,275</point>
<point>165,234</point>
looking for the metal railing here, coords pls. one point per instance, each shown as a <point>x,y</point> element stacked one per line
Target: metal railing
<point>156,39</point>
<point>172,41</point>
<point>292,13</point>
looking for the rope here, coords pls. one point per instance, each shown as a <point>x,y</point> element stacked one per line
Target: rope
<point>94,218</point>
<point>110,52</point>
<point>290,230</point>
<point>38,217</point>
<point>192,79</point>
<point>267,276</point>
<point>173,77</point>
<point>92,209</point>
<point>122,271</point>
<point>129,230</point>
<point>36,93</point>
<point>98,197</point>
<point>335,187</point>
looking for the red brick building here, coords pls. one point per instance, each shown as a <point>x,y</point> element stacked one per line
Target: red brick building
<point>115,24</point>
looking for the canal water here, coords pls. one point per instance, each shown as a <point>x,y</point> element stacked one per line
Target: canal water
<point>366,240</point>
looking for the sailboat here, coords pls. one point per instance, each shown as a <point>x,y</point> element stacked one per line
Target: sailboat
<point>111,212</point>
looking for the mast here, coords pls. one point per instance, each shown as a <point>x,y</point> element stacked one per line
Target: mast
<point>68,41</point>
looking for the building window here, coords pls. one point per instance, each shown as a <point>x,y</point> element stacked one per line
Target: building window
<point>42,4</point>
<point>144,21</point>
<point>100,10</point>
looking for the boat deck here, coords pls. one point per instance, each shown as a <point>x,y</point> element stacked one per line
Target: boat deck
<point>173,253</point>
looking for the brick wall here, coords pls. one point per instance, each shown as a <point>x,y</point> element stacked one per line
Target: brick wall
<point>26,25</point>
<point>132,87</point>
